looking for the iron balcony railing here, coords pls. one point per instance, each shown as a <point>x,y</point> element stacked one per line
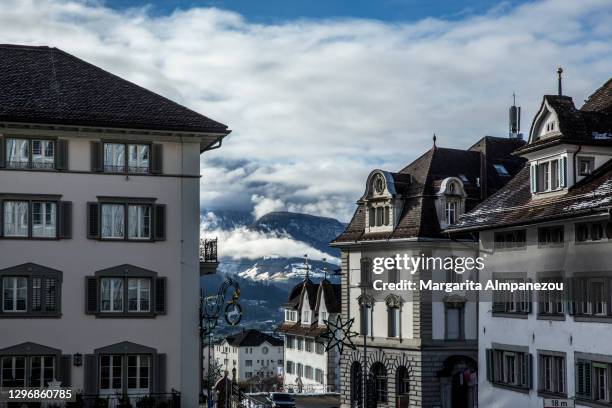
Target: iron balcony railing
<point>208,250</point>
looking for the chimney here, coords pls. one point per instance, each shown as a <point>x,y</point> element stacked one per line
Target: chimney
<point>559,72</point>
<point>514,127</point>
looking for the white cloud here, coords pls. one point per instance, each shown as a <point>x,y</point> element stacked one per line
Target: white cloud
<point>315,105</point>
<point>264,205</point>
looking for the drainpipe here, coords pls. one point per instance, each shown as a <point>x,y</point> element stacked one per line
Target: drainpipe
<point>574,161</point>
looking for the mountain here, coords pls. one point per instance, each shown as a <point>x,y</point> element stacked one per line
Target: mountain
<point>313,230</point>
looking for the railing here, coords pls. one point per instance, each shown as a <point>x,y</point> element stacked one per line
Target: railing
<point>208,250</point>
<point>14,164</point>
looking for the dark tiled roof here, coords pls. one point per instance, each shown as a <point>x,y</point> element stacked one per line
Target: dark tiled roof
<point>601,100</point>
<point>48,85</point>
<point>314,330</point>
<point>252,338</point>
<point>331,293</point>
<point>513,204</point>
<point>419,217</point>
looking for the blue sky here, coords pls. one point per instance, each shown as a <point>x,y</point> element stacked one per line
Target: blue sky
<point>282,10</point>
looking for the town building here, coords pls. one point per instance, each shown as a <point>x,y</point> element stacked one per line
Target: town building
<point>256,357</point>
<point>309,366</point>
<point>551,224</point>
<point>99,204</point>
<point>417,349</point>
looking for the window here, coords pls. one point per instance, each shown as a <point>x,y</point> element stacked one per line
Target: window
<point>306,316</point>
<point>138,368</point>
<point>593,231</point>
<point>265,350</point>
<point>593,380</point>
<point>300,343</point>
<point>550,235</point>
<point>366,321</point>
<point>393,321</point>
<point>30,290</point>
<point>122,219</point>
<point>139,295</point>
<point>125,290</point>
<point>510,239</point>
<point>300,370</point>
<point>549,175</point>
<point>451,212</point>
<point>379,375</point>
<point>290,315</point>
<point>30,153</point>
<point>308,372</point>
<point>590,297</point>
<point>290,367</point>
<point>323,317</point>
<point>112,374</point>
<point>319,348</point>
<point>319,376</point>
<point>453,323</point>
<point>356,384</point>
<point>115,160</point>
<point>586,165</point>
<point>13,371</point>
<point>551,302</point>
<point>31,218</point>
<point>507,367</point>
<point>402,382</point>
<point>366,271</point>
<point>379,216</point>
<point>552,374</point>
<point>309,345</point>
<point>290,342</point>
<point>512,302</point>
<point>501,169</point>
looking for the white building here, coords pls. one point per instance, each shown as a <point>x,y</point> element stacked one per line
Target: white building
<point>257,357</point>
<point>308,366</point>
<point>99,196</point>
<point>551,223</point>
<point>417,348</point>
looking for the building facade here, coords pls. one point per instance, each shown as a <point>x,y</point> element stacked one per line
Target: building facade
<point>415,348</point>
<point>99,262</point>
<point>309,367</point>
<point>257,358</point>
<point>551,223</point>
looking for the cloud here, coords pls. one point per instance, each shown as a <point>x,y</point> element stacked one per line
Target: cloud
<point>315,105</point>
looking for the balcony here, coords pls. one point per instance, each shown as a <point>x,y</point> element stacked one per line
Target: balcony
<point>208,256</point>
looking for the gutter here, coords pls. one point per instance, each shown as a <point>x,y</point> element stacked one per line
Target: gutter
<point>574,162</point>
<point>217,143</point>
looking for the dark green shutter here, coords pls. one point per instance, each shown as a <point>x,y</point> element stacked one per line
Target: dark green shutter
<point>160,373</point>
<point>93,220</point>
<point>62,155</point>
<point>91,295</point>
<point>529,370</point>
<point>2,152</point>
<point>1,218</point>
<point>90,370</point>
<point>489,353</point>
<point>65,220</point>
<point>160,295</point>
<point>583,379</point>
<point>159,222</point>
<point>65,366</point>
<point>97,157</point>
<point>157,158</point>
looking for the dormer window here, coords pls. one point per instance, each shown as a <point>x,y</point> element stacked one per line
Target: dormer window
<point>451,211</point>
<point>586,165</point>
<point>550,127</point>
<point>291,315</point>
<point>549,175</point>
<point>306,317</point>
<point>451,201</point>
<point>501,170</point>
<point>379,216</point>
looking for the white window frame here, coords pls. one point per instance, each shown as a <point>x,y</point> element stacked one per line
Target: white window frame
<point>19,292</point>
<point>16,218</point>
<point>43,361</point>
<point>46,157</point>
<point>139,158</point>
<point>451,211</point>
<point>46,225</point>
<point>113,221</point>
<point>13,360</point>
<point>142,361</point>
<point>111,376</point>
<point>112,290</point>
<point>139,221</point>
<point>142,293</point>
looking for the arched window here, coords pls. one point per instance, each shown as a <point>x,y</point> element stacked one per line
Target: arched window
<point>379,381</point>
<point>356,385</point>
<point>402,381</point>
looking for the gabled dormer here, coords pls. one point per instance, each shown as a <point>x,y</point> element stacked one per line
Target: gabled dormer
<point>381,203</point>
<point>450,201</point>
<point>305,310</point>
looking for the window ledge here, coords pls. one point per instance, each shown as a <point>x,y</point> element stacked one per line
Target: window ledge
<point>591,242</point>
<point>550,394</point>
<point>557,317</point>
<point>511,315</point>
<point>594,404</point>
<point>522,248</point>
<point>29,315</point>
<point>123,315</point>
<point>593,319</point>
<point>516,388</point>
<point>553,245</point>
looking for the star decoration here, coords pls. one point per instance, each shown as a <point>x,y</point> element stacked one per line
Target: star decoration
<point>339,335</point>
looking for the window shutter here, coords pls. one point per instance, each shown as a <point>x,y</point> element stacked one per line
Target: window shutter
<point>533,177</point>
<point>62,155</point>
<point>160,373</point>
<point>529,370</point>
<point>489,365</point>
<point>157,158</point>
<point>90,369</point>
<point>97,157</point>
<point>571,296</point>
<point>2,154</point>
<point>160,295</point>
<point>93,220</point>
<point>64,374</point>
<point>583,379</point>
<point>65,220</point>
<point>91,295</point>
<point>499,305</point>
<point>1,218</point>
<point>563,171</point>
<point>160,222</point>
